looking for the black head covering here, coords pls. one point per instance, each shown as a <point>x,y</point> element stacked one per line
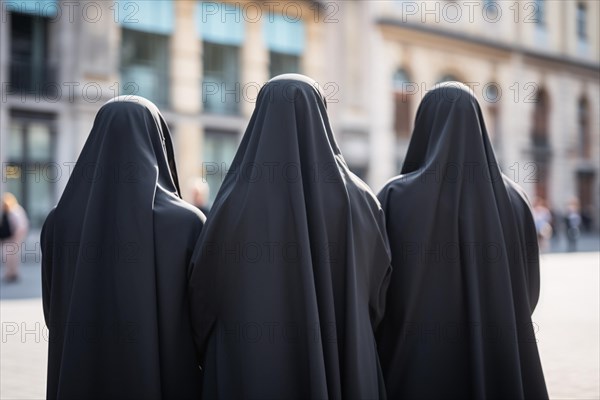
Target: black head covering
<point>465,259</point>
<point>290,273</point>
<point>115,255</point>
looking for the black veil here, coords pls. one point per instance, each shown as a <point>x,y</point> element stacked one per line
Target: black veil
<point>289,277</point>
<point>115,253</point>
<point>466,264</point>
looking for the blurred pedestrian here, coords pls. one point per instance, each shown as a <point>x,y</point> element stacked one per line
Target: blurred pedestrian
<point>465,264</point>
<point>5,229</point>
<point>115,257</point>
<point>18,224</point>
<point>587,218</point>
<point>573,224</point>
<point>543,222</point>
<point>200,192</point>
<point>289,279</point>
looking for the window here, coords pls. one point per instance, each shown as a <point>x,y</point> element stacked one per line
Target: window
<point>145,47</point>
<point>491,8</point>
<point>402,104</point>
<point>219,148</point>
<point>540,12</point>
<point>29,172</point>
<point>280,63</point>
<point>221,28</point>
<point>145,65</point>
<point>585,193</point>
<point>30,71</point>
<point>540,121</point>
<point>581,21</point>
<point>284,38</point>
<point>541,143</point>
<point>491,93</point>
<point>221,92</point>
<point>583,115</point>
<point>155,16</point>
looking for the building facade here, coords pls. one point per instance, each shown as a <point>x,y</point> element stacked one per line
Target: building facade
<point>534,67</point>
<point>202,63</point>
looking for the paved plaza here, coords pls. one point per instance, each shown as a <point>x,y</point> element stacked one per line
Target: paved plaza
<point>567,318</point>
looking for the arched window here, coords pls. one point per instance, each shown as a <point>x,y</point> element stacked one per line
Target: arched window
<point>541,143</point>
<point>583,124</point>
<point>540,120</point>
<point>584,175</point>
<point>402,103</point>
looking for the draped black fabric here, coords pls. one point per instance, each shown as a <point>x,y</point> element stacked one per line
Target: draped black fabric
<point>289,277</point>
<point>466,265</point>
<point>114,269</point>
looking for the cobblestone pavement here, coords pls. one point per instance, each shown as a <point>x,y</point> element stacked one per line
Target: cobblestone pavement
<point>567,317</point>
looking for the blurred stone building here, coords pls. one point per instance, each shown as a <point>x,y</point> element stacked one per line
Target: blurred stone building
<point>534,65</point>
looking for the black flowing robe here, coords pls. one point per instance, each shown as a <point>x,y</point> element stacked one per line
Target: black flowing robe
<point>466,265</point>
<point>289,277</point>
<point>115,254</point>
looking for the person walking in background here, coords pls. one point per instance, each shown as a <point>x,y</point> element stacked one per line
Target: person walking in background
<point>543,222</point>
<point>5,229</point>
<point>15,217</point>
<point>289,278</point>
<point>573,224</point>
<point>587,218</point>
<point>465,264</point>
<point>200,192</point>
<point>115,255</point>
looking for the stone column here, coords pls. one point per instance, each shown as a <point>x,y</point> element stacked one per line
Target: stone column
<point>516,122</point>
<point>382,139</point>
<point>185,93</point>
<point>254,63</point>
<point>4,78</point>
<point>314,53</point>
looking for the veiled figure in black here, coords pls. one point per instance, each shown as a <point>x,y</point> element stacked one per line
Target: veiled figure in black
<point>289,276</point>
<point>466,265</point>
<point>115,254</point>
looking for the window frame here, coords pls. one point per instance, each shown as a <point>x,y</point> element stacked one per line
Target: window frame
<point>228,108</point>
<point>25,161</point>
<point>161,98</point>
<point>581,21</point>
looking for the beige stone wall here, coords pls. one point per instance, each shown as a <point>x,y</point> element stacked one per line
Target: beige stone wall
<point>357,57</point>
<point>427,56</point>
<point>186,115</point>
